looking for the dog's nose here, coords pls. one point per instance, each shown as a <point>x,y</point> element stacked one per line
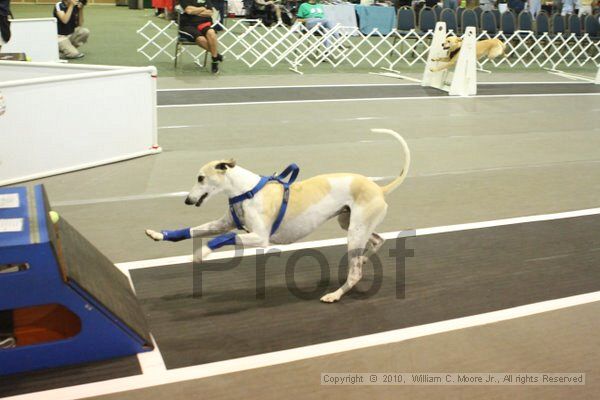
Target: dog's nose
<point>188,201</point>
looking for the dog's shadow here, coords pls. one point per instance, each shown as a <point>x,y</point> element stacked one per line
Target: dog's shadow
<point>238,300</point>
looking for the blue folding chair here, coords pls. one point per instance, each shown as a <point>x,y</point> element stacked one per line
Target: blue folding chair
<point>574,25</point>
<point>488,23</point>
<point>592,27</point>
<point>406,24</point>
<point>525,21</point>
<point>469,18</point>
<point>496,13</point>
<point>459,12</point>
<point>438,11</point>
<point>478,12</point>
<point>582,21</point>
<point>449,17</point>
<point>508,23</point>
<point>406,20</point>
<point>542,24</point>
<point>427,20</point>
<point>558,24</point>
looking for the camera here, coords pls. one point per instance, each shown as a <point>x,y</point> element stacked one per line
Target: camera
<point>83,2</point>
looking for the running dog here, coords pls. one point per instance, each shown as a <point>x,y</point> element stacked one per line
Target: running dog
<point>491,48</point>
<point>256,206</point>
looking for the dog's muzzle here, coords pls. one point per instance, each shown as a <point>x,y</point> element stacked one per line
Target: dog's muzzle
<point>189,202</point>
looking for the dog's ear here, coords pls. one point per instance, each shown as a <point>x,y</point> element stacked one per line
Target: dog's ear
<point>222,166</point>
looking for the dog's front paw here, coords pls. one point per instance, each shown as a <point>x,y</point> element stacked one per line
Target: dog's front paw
<point>330,297</point>
<point>157,236</point>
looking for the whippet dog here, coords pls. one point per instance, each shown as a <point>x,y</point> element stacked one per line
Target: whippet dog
<point>358,202</point>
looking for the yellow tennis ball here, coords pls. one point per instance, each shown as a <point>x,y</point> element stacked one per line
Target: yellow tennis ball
<point>54,217</point>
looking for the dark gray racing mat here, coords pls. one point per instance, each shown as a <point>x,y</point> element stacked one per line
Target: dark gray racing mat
<point>451,275</point>
<point>54,378</point>
<point>283,94</point>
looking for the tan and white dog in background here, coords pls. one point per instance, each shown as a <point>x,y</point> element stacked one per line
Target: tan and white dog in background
<point>358,202</point>
<point>491,48</point>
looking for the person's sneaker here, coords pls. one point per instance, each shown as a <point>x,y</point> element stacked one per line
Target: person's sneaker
<point>78,55</point>
<point>214,67</point>
<point>328,57</point>
<point>218,58</point>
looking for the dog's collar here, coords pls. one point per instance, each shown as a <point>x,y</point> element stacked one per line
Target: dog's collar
<point>453,53</point>
<point>251,193</point>
<point>292,169</point>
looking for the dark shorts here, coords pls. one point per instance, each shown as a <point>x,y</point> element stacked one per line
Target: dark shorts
<point>4,29</point>
<point>194,31</point>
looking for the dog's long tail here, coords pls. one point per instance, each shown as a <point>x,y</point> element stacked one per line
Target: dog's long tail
<point>400,178</point>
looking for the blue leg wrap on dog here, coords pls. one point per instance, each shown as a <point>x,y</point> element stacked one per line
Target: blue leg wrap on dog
<point>222,240</point>
<point>177,235</point>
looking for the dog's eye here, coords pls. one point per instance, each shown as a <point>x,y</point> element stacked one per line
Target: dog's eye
<point>200,179</point>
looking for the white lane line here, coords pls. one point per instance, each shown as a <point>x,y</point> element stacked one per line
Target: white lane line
<point>208,89</point>
<point>134,197</point>
<point>159,262</point>
<point>532,83</point>
<point>205,89</point>
<point>507,168</point>
<point>465,98</point>
<point>151,362</point>
<point>180,126</point>
<point>303,353</point>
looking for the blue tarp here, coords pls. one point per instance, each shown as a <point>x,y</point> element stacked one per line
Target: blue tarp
<point>371,17</point>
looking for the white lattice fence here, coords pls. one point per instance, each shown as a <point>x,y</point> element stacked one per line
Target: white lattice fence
<point>252,43</point>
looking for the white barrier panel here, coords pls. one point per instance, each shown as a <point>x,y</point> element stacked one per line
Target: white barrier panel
<point>436,52</point>
<point>19,70</point>
<point>464,79</point>
<point>37,38</point>
<point>62,123</point>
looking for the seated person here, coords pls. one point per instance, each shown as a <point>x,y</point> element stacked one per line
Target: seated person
<point>196,23</point>
<point>312,14</point>
<point>71,33</point>
<point>586,7</point>
<point>266,10</point>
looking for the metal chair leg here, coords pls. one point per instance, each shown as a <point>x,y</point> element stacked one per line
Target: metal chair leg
<point>176,52</point>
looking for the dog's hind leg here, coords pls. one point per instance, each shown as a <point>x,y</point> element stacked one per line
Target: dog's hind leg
<point>495,52</point>
<point>360,228</point>
<point>373,244</point>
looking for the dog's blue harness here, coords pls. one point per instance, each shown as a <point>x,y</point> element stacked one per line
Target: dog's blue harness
<point>229,238</point>
<point>291,169</point>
